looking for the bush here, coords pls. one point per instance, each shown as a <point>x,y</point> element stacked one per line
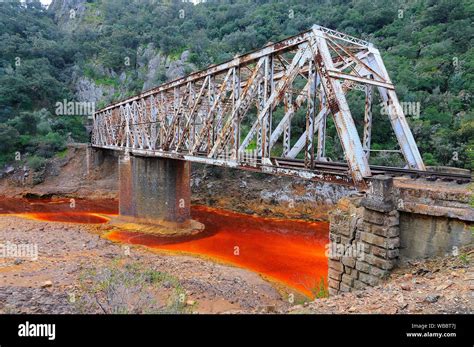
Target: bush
<point>47,146</point>
<point>9,139</point>
<point>429,159</point>
<point>129,288</point>
<point>36,163</point>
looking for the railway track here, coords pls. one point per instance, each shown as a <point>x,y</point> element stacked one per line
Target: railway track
<point>342,168</point>
<point>338,168</point>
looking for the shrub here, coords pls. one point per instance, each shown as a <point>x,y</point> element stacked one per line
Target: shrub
<point>36,163</point>
<point>129,288</point>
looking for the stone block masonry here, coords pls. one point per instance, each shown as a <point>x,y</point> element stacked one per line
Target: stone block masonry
<point>365,238</point>
<point>396,220</point>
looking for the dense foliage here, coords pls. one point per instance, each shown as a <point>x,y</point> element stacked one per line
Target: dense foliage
<point>426,45</point>
<point>35,62</point>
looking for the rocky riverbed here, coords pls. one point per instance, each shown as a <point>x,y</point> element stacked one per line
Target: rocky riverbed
<point>52,283</point>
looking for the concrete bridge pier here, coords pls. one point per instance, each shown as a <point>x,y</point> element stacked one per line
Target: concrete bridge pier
<point>155,196</point>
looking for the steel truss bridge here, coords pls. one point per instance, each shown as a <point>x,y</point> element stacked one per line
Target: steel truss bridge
<point>227,114</point>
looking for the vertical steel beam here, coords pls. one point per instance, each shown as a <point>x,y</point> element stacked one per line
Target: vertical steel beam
<point>287,125</point>
<point>367,120</point>
<point>260,103</point>
<point>310,114</point>
<point>269,87</point>
<point>321,150</point>
<point>236,126</point>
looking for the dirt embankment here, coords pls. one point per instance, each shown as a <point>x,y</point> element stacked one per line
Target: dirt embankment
<point>66,176</point>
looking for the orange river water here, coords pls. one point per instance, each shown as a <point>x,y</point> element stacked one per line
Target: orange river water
<point>291,252</point>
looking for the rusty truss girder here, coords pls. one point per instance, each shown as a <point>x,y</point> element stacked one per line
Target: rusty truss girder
<point>224,115</point>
